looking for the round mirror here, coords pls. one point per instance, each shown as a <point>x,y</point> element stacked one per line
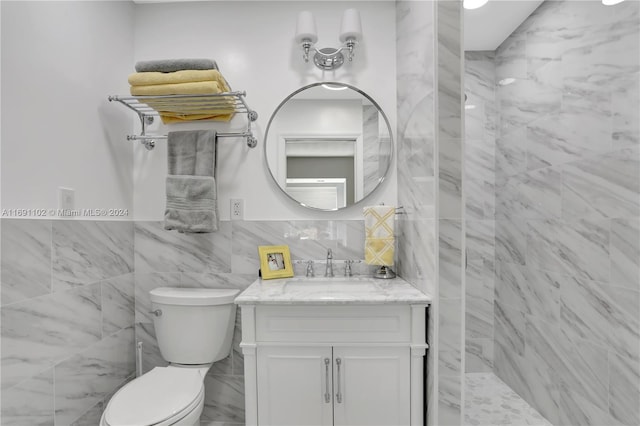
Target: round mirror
<point>328,145</point>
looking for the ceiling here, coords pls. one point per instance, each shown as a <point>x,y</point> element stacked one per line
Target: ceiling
<point>487,27</point>
<point>484,28</point>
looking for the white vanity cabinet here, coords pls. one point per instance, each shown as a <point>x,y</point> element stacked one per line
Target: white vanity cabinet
<point>322,361</point>
<point>341,385</point>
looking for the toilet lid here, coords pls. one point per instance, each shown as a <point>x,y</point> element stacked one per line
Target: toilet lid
<point>156,396</point>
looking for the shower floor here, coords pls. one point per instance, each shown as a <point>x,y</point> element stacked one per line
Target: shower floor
<point>490,402</point>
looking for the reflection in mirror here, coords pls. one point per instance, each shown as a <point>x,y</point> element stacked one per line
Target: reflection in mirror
<point>328,146</point>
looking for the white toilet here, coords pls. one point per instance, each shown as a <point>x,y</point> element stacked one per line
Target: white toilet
<point>194,329</point>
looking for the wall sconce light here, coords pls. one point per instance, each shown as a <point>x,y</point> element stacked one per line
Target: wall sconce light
<point>329,58</point>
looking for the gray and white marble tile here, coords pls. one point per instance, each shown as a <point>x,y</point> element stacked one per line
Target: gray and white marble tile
<point>479,301</point>
<point>224,399</point>
<point>87,377</point>
<point>118,304</point>
<point>530,291</point>
<point>450,178</point>
<point>603,186</point>
<point>511,152</point>
<point>30,402</point>
<point>480,239</point>
<point>602,313</point>
<point>524,101</point>
<point>450,253</point>
<point>144,283</point>
<point>84,252</point>
<point>42,331</point>
<point>579,248</point>
<point>450,325</point>
<point>540,194</point>
<point>570,363</point>
<point>159,250</point>
<point>624,253</point>
<point>574,409</point>
<point>489,401</point>
<point>509,328</point>
<point>450,400</point>
<point>479,355</point>
<point>625,109</point>
<point>624,389</point>
<point>151,356</point>
<point>26,259</point>
<point>511,240</point>
<point>307,240</point>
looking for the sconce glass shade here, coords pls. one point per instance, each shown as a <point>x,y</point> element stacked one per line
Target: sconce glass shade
<point>306,28</point>
<point>474,4</point>
<point>351,27</point>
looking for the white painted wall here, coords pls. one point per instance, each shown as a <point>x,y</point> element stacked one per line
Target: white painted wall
<point>254,47</point>
<point>60,61</point>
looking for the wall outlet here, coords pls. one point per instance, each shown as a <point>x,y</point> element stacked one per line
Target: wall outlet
<point>66,198</point>
<point>237,209</point>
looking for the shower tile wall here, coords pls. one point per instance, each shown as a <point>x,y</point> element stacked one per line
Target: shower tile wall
<point>450,211</point>
<point>480,141</point>
<point>67,318</point>
<point>228,259</point>
<point>415,44</point>
<point>567,308</point>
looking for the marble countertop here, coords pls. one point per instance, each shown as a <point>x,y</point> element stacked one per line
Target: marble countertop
<point>326,291</point>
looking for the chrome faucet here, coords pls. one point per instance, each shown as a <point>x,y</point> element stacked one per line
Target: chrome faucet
<point>328,272</point>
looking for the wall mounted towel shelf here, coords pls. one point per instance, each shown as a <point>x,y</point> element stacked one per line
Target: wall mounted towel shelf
<point>186,104</point>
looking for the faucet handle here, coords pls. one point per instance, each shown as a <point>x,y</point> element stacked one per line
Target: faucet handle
<point>310,272</point>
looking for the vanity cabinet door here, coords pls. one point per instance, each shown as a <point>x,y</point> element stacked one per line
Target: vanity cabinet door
<point>371,386</point>
<point>294,386</point>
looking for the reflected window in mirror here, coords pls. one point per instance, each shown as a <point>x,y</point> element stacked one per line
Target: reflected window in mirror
<point>328,149</point>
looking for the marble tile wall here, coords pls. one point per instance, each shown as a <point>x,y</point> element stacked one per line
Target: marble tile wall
<point>228,259</point>
<point>67,318</point>
<point>567,227</point>
<point>416,139</point>
<point>450,213</point>
<point>479,168</point>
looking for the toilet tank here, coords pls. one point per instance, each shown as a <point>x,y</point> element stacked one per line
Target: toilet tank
<point>193,325</point>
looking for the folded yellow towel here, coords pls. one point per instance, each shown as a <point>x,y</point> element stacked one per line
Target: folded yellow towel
<point>379,246</point>
<point>185,76</point>
<point>191,88</point>
<point>169,118</point>
<point>193,105</point>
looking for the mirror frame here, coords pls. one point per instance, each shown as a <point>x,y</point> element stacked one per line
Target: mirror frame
<point>373,102</point>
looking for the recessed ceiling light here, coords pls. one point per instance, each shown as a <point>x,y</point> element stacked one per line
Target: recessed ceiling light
<point>611,2</point>
<point>475,4</point>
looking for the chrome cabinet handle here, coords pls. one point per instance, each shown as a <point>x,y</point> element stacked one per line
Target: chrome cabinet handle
<point>338,393</point>
<point>327,393</point>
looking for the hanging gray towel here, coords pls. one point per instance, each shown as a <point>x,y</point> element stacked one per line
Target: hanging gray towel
<point>190,185</point>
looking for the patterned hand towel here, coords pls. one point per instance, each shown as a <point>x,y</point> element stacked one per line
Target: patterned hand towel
<point>379,246</point>
<point>172,65</point>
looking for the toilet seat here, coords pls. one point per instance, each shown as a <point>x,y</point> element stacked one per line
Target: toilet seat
<point>162,396</point>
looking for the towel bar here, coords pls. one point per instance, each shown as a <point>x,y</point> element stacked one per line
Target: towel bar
<point>186,104</point>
